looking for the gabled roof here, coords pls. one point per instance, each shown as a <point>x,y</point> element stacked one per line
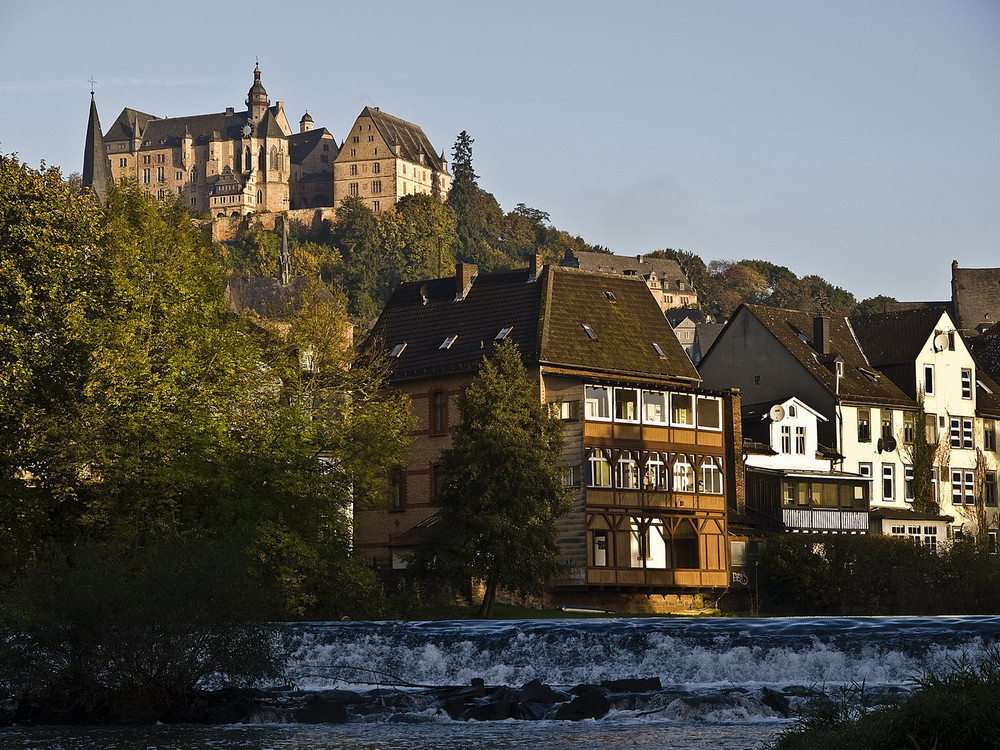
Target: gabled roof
<point>300,145</point>
<point>794,330</point>
<point>410,138</point>
<point>896,338</point>
<point>546,318</point>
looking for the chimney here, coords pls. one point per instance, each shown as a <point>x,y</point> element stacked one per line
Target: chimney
<point>230,111</point>
<point>821,334</point>
<point>465,274</point>
<point>536,267</point>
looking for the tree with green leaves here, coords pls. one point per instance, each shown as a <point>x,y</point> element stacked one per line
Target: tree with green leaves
<point>922,455</point>
<point>479,215</point>
<point>503,489</point>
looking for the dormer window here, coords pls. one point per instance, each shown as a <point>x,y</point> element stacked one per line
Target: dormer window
<point>589,331</point>
<point>397,350</point>
<point>504,333</point>
<point>446,344</point>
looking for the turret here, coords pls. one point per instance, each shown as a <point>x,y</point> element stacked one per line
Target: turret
<point>306,123</point>
<point>257,101</point>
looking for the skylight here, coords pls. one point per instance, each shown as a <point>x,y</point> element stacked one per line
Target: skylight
<point>659,350</point>
<point>397,350</point>
<point>872,376</point>
<point>504,333</point>
<point>589,331</point>
<point>446,344</point>
<point>610,296</point>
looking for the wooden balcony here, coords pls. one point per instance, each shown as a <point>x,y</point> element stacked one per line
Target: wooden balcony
<point>612,498</point>
<point>657,578</point>
<point>824,519</point>
<point>633,434</point>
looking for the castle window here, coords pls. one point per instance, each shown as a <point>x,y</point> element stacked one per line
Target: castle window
<point>145,177</point>
<point>123,162</point>
<point>160,158</point>
<point>354,169</point>
<point>377,186</point>
<point>326,147</point>
<point>355,140</point>
<point>376,205</point>
<point>324,158</point>
<point>260,197</point>
<point>353,188</point>
<point>371,138</point>
<point>376,167</point>
<point>178,175</point>
<point>146,159</point>
<point>159,174</point>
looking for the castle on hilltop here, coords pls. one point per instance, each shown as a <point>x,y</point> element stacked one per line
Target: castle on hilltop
<point>237,163</point>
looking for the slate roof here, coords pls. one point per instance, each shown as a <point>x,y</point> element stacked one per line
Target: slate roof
<point>410,138</point>
<point>895,338</point>
<point>301,144</point>
<point>986,350</point>
<point>640,265</point>
<point>976,295</point>
<point>264,295</point>
<point>168,131</point>
<point>794,330</point>
<point>546,318</point>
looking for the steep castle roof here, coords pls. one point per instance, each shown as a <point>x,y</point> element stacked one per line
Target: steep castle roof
<point>410,139</point>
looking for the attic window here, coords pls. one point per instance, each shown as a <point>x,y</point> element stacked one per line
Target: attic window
<point>628,272</point>
<point>397,350</point>
<point>446,344</point>
<point>872,376</point>
<point>659,350</point>
<point>504,333</point>
<point>610,296</point>
<point>589,331</point>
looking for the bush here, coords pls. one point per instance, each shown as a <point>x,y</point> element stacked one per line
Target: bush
<point>110,634</point>
<point>869,575</point>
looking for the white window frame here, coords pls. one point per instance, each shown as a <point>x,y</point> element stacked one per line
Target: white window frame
<point>889,480</point>
<point>682,474</point>
<point>705,400</point>
<point>679,397</point>
<point>593,402</point>
<point>623,400</point>
<point>655,404</point>
<point>599,468</point>
<point>929,380</point>
<point>966,383</point>
<point>711,477</point>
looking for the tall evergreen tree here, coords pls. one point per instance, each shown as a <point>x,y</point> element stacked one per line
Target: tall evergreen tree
<point>503,490</point>
<point>479,215</point>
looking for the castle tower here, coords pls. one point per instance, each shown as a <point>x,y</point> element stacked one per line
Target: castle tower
<point>257,101</point>
<point>306,123</point>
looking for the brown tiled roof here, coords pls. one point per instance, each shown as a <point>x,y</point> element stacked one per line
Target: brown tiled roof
<point>976,293</point>
<point>794,330</point>
<point>895,338</point>
<point>546,318</point>
<point>410,138</point>
<point>626,325</point>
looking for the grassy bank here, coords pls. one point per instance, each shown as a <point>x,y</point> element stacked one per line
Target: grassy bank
<point>959,710</point>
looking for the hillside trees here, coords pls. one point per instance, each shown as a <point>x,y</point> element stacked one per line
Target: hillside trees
<point>167,416</point>
<point>503,489</point>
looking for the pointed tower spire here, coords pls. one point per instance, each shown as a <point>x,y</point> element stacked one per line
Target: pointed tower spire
<point>96,174</point>
<point>285,259</point>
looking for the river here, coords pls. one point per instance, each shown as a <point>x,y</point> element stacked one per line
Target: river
<point>712,670</point>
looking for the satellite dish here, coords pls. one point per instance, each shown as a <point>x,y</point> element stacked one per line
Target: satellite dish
<point>888,444</point>
<point>777,413</point>
<point>941,342</point>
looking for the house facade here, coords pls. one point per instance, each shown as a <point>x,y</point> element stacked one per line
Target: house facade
<point>876,380</point>
<point>649,453</point>
<point>792,484</point>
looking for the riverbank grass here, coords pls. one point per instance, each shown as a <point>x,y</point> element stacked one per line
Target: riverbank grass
<point>957,710</point>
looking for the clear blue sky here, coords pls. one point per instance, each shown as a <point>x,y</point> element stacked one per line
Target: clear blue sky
<point>858,140</point>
